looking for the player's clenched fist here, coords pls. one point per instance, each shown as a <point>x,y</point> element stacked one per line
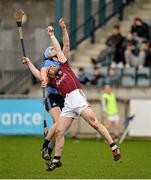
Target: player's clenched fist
<point>50,30</point>
<point>25,60</point>
<point>62,23</point>
<point>43,83</point>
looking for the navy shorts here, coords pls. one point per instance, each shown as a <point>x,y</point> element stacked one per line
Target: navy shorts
<point>54,100</point>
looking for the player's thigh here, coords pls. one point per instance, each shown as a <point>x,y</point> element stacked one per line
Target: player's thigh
<point>63,124</point>
<point>89,115</point>
<point>55,113</point>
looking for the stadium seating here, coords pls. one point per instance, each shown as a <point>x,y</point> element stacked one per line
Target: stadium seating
<point>119,71</point>
<point>131,72</point>
<point>143,72</point>
<point>128,77</point>
<point>143,82</point>
<point>143,77</point>
<point>104,71</point>
<point>100,82</point>
<point>128,81</point>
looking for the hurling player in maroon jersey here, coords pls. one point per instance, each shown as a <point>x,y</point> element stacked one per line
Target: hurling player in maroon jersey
<point>65,81</point>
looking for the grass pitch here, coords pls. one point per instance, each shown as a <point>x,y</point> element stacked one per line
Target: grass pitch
<point>88,159</point>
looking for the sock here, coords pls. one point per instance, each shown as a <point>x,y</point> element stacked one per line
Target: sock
<point>56,159</point>
<point>50,149</point>
<point>113,146</point>
<point>45,144</point>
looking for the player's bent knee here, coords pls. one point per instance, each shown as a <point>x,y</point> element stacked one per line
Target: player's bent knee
<point>59,132</point>
<point>96,124</point>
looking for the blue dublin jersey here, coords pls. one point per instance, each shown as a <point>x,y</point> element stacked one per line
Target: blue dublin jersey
<point>49,62</point>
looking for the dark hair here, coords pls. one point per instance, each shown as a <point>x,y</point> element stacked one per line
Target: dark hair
<point>95,68</point>
<point>81,68</point>
<point>116,26</point>
<point>145,42</point>
<point>137,19</point>
<point>129,43</point>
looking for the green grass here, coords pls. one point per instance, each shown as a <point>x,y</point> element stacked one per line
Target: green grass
<point>20,159</point>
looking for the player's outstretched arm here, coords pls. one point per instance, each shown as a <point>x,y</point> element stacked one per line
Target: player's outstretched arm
<point>44,77</point>
<point>61,56</point>
<point>65,38</point>
<point>32,68</point>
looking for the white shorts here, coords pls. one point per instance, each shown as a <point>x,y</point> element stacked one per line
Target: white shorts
<point>75,103</point>
<point>113,118</point>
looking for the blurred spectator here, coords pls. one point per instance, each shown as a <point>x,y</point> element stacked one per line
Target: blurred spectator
<point>114,47</point>
<point>115,41</point>
<point>133,59</point>
<point>148,56</point>
<point>82,76</point>
<point>96,76</point>
<point>113,78</point>
<point>110,111</point>
<point>140,29</point>
<point>131,38</point>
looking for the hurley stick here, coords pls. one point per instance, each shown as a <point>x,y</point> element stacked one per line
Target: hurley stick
<point>18,15</point>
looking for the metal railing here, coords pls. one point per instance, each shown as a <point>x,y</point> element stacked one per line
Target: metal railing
<point>18,80</point>
<point>98,19</point>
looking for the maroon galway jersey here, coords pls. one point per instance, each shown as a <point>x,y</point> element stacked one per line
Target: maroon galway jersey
<point>65,81</point>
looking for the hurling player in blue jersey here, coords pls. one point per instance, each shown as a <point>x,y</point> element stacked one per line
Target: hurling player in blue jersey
<point>54,102</point>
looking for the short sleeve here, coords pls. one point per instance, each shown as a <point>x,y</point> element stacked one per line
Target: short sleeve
<point>46,63</point>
